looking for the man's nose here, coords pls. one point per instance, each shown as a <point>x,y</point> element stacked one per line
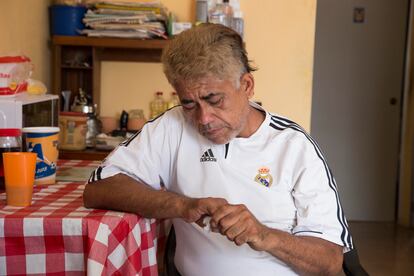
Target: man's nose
<point>205,115</point>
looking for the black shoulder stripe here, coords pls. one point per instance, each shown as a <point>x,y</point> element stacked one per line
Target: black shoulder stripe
<point>128,141</point>
<point>226,150</point>
<point>275,126</point>
<point>278,118</point>
<point>332,183</point>
<point>281,124</point>
<point>98,173</point>
<point>160,115</point>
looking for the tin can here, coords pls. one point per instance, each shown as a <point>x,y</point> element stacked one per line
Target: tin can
<point>73,130</point>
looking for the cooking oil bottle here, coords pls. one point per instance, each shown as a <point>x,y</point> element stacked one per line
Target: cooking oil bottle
<point>173,101</point>
<point>157,105</point>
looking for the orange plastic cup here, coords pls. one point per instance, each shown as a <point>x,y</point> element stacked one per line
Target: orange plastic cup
<point>19,175</point>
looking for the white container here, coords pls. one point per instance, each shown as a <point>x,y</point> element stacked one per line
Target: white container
<point>44,142</point>
<point>24,110</point>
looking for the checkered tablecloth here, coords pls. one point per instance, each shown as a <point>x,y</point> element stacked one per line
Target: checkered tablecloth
<point>75,170</point>
<point>57,235</point>
<point>78,163</point>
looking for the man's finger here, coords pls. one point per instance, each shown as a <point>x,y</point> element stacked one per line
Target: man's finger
<point>228,221</point>
<point>235,230</point>
<point>241,238</point>
<point>220,213</point>
<point>213,204</point>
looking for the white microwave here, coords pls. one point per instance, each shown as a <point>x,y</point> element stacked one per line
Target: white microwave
<point>24,110</point>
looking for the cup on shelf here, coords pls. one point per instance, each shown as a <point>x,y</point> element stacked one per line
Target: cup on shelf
<point>19,176</point>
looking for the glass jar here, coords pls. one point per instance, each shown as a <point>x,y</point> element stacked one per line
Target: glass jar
<point>136,120</point>
<point>10,140</point>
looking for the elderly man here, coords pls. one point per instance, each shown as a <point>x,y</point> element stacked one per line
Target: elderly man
<point>256,181</point>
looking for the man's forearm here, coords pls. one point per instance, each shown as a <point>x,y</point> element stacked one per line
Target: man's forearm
<point>307,255</point>
<point>122,193</point>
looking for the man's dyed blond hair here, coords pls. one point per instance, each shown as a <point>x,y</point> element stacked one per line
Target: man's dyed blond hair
<point>208,50</point>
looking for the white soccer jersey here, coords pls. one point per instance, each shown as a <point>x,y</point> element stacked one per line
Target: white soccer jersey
<point>279,173</point>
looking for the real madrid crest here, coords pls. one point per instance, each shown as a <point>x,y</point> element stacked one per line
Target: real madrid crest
<point>264,177</point>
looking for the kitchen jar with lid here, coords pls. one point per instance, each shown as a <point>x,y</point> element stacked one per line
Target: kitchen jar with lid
<point>10,140</point>
<point>73,130</point>
<point>136,120</point>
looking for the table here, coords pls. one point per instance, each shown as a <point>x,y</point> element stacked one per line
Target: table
<point>57,235</point>
<point>67,163</point>
<point>75,170</point>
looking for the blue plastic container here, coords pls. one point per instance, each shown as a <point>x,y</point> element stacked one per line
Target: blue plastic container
<point>66,20</point>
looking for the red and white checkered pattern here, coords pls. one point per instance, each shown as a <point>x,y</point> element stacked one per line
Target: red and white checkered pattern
<point>57,235</point>
<point>77,163</point>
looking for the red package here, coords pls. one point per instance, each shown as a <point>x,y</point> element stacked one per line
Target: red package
<point>14,73</point>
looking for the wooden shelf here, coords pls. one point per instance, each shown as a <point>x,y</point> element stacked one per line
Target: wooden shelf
<point>76,67</point>
<point>105,42</point>
<point>92,50</point>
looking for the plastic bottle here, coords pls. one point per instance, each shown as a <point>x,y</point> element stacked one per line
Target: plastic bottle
<point>201,11</point>
<point>174,100</point>
<point>238,23</point>
<point>158,105</point>
<point>222,13</point>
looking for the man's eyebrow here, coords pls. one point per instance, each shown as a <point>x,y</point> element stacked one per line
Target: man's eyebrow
<point>211,95</point>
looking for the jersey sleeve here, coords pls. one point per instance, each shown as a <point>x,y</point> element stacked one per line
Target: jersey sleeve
<point>147,156</point>
<point>319,211</point>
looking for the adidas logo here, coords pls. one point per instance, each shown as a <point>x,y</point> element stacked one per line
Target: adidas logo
<point>208,156</point>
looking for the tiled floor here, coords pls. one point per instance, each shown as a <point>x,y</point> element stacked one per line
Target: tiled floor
<point>384,248</point>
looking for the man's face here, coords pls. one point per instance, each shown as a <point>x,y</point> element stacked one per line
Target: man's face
<point>217,108</point>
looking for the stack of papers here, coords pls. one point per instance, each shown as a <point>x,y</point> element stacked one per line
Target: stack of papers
<point>141,19</point>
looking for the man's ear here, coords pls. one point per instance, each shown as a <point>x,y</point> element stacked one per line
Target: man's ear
<point>247,84</point>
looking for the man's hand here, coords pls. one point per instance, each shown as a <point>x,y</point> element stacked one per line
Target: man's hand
<point>195,209</point>
<point>239,225</point>
<point>306,255</point>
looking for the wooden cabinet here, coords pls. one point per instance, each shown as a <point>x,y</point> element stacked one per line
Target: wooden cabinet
<point>76,61</point>
<point>76,64</point>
